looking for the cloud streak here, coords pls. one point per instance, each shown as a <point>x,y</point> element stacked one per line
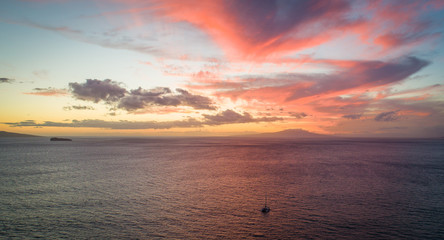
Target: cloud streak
<point>294,86</point>
<point>48,92</point>
<point>225,117</point>
<point>262,28</point>
<point>366,74</point>
<point>77,107</point>
<point>352,116</point>
<point>230,116</point>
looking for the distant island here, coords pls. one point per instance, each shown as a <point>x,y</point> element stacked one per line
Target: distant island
<point>60,139</point>
<point>5,134</point>
<point>290,133</point>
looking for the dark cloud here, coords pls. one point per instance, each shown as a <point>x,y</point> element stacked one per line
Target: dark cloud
<point>230,116</point>
<point>298,115</point>
<point>352,116</point>
<point>225,117</point>
<point>111,92</point>
<point>77,107</point>
<point>26,123</point>
<point>140,98</point>
<point>369,74</point>
<point>282,17</point>
<point>6,80</point>
<point>195,101</point>
<point>387,116</point>
<point>98,90</point>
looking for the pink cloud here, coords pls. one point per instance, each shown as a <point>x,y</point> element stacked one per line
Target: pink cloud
<point>396,24</point>
<point>291,87</point>
<point>256,30</point>
<point>319,95</point>
<point>264,29</point>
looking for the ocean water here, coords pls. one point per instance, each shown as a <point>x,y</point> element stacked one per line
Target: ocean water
<point>214,188</point>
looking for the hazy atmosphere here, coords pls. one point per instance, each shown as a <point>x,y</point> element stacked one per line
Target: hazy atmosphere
<point>221,119</point>
<point>153,68</point>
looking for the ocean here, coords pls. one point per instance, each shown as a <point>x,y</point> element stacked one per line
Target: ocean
<point>214,188</point>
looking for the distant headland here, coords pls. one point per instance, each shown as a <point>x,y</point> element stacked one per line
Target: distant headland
<point>290,133</point>
<point>5,134</point>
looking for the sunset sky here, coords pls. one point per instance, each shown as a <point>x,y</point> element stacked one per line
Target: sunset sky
<point>175,67</point>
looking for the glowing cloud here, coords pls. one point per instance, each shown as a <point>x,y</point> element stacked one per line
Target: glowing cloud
<point>334,66</point>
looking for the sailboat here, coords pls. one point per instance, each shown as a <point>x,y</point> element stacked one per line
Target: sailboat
<point>266,208</point>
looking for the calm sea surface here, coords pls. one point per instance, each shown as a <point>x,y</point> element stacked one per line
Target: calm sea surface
<point>214,188</point>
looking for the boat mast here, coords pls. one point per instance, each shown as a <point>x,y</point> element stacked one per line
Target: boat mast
<point>266,199</point>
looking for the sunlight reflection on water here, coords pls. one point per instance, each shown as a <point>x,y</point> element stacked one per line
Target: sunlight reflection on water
<point>215,187</point>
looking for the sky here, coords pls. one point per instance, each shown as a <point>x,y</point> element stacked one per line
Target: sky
<point>222,67</point>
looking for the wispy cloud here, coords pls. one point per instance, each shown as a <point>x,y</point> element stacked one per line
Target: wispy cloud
<point>77,107</point>
<point>401,23</point>
<point>294,86</point>
<point>104,39</point>
<point>48,92</point>
<point>352,116</point>
<point>387,116</point>
<point>42,74</point>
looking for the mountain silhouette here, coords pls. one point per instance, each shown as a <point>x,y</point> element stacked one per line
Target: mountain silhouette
<point>290,133</point>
